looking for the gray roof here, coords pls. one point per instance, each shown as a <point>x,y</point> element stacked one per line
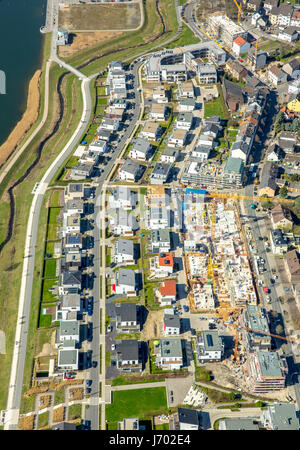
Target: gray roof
<point>158,213</point>
<point>161,170</point>
<point>67,357</point>
<point>187,415</point>
<point>169,151</point>
<point>235,165</point>
<point>268,176</point>
<point>123,218</point>
<point>69,327</point>
<point>211,127</point>
<point>185,117</point>
<point>161,235</point>
<point>124,193</point>
<point>125,246</point>
<point>171,320</point>
<point>71,301</point>
<point>203,149</point>
<point>131,167</point>
<point>73,277</point>
<point>128,349</point>
<point>257,320</point>
<point>240,423</point>
<point>141,145</point>
<point>75,187</point>
<point>76,203</point>
<point>210,340</point>
<point>233,89</point>
<point>171,348</point>
<point>126,277</point>
<point>283,416</point>
<point>270,364</point>
<point>188,101</point>
<point>104,132</point>
<point>240,145</point>
<point>126,312</point>
<point>64,426</point>
<point>278,238</point>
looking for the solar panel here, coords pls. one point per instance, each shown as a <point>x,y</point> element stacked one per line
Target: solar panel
<point>209,340</point>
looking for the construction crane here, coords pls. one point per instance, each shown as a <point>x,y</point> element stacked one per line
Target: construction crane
<point>255,53</point>
<point>239,11</point>
<point>210,267</point>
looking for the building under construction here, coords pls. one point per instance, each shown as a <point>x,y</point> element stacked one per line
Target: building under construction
<point>265,372</point>
<point>218,272</point>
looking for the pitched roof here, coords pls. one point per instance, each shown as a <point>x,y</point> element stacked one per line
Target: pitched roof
<point>187,415</point>
<point>126,312</point>
<point>292,260</point>
<point>128,349</point>
<point>279,213</point>
<point>168,287</point>
<point>239,41</point>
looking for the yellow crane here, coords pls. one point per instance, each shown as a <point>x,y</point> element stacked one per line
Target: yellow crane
<point>255,53</point>
<point>236,196</point>
<point>239,11</point>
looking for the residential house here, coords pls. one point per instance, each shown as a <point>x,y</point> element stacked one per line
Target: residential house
<point>73,240</point>
<point>126,283</point>
<point>158,111</point>
<point>178,137</point>
<point>276,76</point>
<point>254,5</point>
<point>207,73</point>
<point>159,217</point>
<point>285,14</point>
<point>294,105</point>
<point>280,416</point>
<point>69,303</point>
<point>184,121</point>
<point>163,265</point>
<point>292,68</point>
<point>206,140</point>
<point>171,323</point>
<point>159,94</point>
<point>267,184</point>
<point>98,146</point>
<point>129,356</point>
<point>240,46</point>
<point>124,252</point>
<point>131,171</point>
<point>167,292</point>
<point>130,425</point>
<point>156,196</point>
<point>270,4</point>
<point>65,426</point>
<point>289,34</point>
<point>186,89</point>
<point>104,134</point>
<point>141,150</point>
<point>281,217</point>
<point>72,260</point>
<point>151,130</point>
<point>201,153</point>
<point>287,141</point>
<point>211,129</point>
<point>71,224</point>
<point>260,60</point>
<point>69,282</point>
<point>293,266</point>
<point>123,223</point>
<point>239,423</point>
<point>275,153</point>
<point>188,419</point>
<point>295,19</point>
<point>169,354</point>
<point>169,155</point>
<point>236,70</point>
<point>68,359</point>
<point>186,104</point>
<point>82,171</point>
<point>127,318</point>
<point>233,171</point>
<point>160,241</point>
<point>279,243</point>
<point>69,332</point>
<point>74,191</point>
<point>209,347</point>
<point>160,173</point>
<point>123,197</point>
<point>233,95</point>
<point>241,149</point>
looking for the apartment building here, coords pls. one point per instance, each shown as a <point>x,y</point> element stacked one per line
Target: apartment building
<point>225,29</point>
<point>255,318</point>
<point>265,372</point>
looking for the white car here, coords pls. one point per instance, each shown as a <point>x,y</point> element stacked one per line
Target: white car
<point>268,299</point>
<point>113,346</point>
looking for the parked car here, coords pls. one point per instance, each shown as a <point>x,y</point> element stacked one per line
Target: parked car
<point>185,308</point>
<point>113,346</point>
<point>68,376</point>
<point>94,364</point>
<point>89,382</point>
<point>108,329</point>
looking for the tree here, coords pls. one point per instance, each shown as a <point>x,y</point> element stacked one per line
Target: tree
<point>297,204</point>
<point>279,329</point>
<point>283,192</point>
<point>267,205</point>
<point>232,396</point>
<point>259,404</point>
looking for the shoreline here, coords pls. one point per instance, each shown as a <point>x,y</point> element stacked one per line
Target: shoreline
<point>27,120</point>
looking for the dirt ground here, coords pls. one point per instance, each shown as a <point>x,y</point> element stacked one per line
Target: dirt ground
<point>26,423</point>
<point>224,375</point>
<point>29,117</point>
<point>100,17</point>
<point>81,41</point>
<point>58,414</point>
<point>75,394</point>
<point>45,401</point>
<point>152,326</point>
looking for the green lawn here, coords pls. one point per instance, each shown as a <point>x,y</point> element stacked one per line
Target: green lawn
<point>186,37</point>
<point>75,411</point>
<point>215,108</point>
<point>50,268</point>
<point>151,401</point>
<point>43,419</point>
<point>59,397</point>
<point>102,101</point>
<point>122,380</point>
<point>48,297</point>
<point>45,320</point>
<point>55,199</point>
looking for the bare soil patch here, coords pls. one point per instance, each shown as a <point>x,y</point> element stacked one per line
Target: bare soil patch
<point>58,414</point>
<point>75,394</point>
<point>152,327</point>
<point>45,401</point>
<point>100,17</point>
<point>26,423</point>
<point>82,41</point>
<point>29,117</point>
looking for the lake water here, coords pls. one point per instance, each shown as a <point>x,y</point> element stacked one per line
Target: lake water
<point>21,46</point>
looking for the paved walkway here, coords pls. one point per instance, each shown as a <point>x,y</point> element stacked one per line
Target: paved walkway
<point>127,387</point>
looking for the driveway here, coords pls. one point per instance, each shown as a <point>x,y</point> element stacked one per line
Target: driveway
<point>179,387</point>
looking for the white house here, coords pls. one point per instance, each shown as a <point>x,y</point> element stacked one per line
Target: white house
<point>110,124</point>
<point>169,155</point>
<point>240,46</point>
<point>206,141</point>
<point>123,224</point>
<point>98,146</point>
<point>277,76</point>
<point>123,197</point>
<point>124,251</point>
<point>69,303</point>
<point>159,218</point>
<point>169,355</point>
<point>151,130</point>
<point>69,331</point>
<point>158,111</point>
<point>188,419</point>
<point>159,94</point>
<point>130,171</point>
<point>141,150</point>
<point>71,223</point>
<point>201,153</point>
<point>125,283</point>
<point>184,121</point>
<point>186,104</point>
<point>288,34</point>
<point>186,89</point>
<point>178,138</point>
<point>171,323</point>
<point>209,347</point>
<point>279,244</point>
<point>162,265</point>
<point>68,359</point>
<point>167,292</point>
